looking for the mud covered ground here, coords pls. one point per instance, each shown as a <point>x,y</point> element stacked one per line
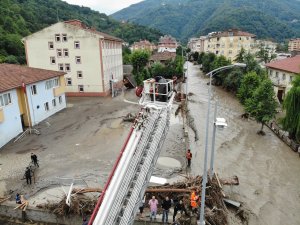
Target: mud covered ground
<point>267,169</point>
<point>82,141</point>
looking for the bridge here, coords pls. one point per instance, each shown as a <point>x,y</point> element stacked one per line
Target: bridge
<point>126,185</point>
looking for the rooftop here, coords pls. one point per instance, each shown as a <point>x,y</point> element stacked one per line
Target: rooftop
<point>12,76</point>
<point>233,33</point>
<point>83,26</point>
<point>162,56</point>
<point>291,64</point>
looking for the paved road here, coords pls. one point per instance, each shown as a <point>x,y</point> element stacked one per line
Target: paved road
<point>267,169</point>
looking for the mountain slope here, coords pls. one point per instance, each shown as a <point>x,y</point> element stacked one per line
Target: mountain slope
<point>277,19</point>
<point>19,18</point>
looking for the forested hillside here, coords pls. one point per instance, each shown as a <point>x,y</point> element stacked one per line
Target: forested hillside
<point>276,19</point>
<point>19,18</point>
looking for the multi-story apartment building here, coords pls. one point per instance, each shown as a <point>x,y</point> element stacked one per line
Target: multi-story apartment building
<point>294,44</point>
<point>143,45</point>
<point>194,44</point>
<point>27,97</point>
<point>269,46</point>
<point>282,72</point>
<point>91,59</point>
<point>167,44</point>
<point>229,43</point>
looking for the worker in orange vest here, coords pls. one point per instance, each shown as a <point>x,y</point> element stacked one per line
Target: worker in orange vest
<point>189,157</point>
<point>194,201</point>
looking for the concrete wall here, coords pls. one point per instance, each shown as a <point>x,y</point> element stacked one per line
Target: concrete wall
<point>36,103</point>
<point>37,215</point>
<point>11,125</point>
<point>112,61</point>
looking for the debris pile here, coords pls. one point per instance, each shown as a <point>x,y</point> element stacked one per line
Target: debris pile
<point>215,209</point>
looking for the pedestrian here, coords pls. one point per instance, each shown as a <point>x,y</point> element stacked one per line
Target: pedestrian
<point>189,156</point>
<point>166,205</point>
<point>34,159</point>
<point>153,208</point>
<point>142,205</point>
<point>18,199</point>
<point>28,175</point>
<point>85,221</point>
<point>179,207</point>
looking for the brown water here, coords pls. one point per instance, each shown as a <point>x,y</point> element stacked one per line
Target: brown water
<point>268,170</point>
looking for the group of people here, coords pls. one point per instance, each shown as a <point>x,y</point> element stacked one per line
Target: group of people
<point>28,172</point>
<point>166,204</point>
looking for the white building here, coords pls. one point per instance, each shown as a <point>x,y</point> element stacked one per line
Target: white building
<point>282,73</point>
<point>194,44</point>
<point>90,58</point>
<point>167,44</point>
<point>27,97</point>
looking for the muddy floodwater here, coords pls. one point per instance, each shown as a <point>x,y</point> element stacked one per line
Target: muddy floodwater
<point>268,170</point>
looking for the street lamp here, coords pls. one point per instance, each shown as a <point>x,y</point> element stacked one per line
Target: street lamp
<point>221,124</point>
<point>204,178</point>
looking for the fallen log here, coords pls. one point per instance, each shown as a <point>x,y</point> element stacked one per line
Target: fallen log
<point>4,199</point>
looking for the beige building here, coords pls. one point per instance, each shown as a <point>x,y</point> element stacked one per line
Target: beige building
<point>269,46</point>
<point>194,44</point>
<point>229,43</point>
<point>282,73</point>
<point>167,44</point>
<point>294,44</point>
<point>90,58</point>
<point>143,45</point>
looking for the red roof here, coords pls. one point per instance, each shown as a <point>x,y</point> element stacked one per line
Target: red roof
<point>12,76</point>
<point>289,64</point>
<point>81,25</point>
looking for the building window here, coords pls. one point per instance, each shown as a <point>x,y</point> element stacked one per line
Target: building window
<point>53,102</point>
<point>80,88</point>
<point>50,45</point>
<point>230,52</point>
<point>78,59</point>
<point>67,67</point>
<point>291,79</point>
<point>79,74</point>
<point>46,105</point>
<point>33,90</point>
<point>61,67</point>
<point>59,53</point>
<point>66,52</point>
<point>52,60</point>
<point>283,76</point>
<point>60,99</point>
<point>57,37</point>
<point>64,38</point>
<point>52,83</point>
<point>5,99</point>
<point>271,73</point>
<point>276,75</point>
<point>69,81</point>
<point>231,45</point>
<point>76,44</point>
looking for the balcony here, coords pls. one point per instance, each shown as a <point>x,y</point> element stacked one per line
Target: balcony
<point>57,91</point>
<point>1,115</point>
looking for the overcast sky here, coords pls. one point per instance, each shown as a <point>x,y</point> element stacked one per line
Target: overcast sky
<point>104,6</point>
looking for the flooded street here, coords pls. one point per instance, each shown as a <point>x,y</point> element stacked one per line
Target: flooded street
<point>268,170</point>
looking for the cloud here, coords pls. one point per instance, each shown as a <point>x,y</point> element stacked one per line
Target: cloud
<point>104,6</point>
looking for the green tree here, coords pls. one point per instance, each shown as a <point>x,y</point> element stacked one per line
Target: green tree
<point>139,60</point>
<point>219,61</point>
<point>157,69</point>
<point>262,105</point>
<point>126,53</point>
<point>249,83</point>
<point>240,56</point>
<point>291,104</point>
<point>207,62</point>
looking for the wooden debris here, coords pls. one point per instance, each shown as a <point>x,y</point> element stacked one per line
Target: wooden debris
<point>4,199</point>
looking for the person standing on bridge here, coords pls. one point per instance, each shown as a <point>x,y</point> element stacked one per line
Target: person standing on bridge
<point>153,208</point>
<point>189,157</point>
<point>166,205</point>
